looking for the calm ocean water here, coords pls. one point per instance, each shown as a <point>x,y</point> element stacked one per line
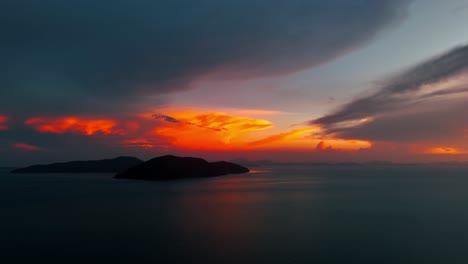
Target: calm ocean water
<point>282,214</point>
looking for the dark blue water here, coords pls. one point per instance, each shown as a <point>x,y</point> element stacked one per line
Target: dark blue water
<point>353,214</point>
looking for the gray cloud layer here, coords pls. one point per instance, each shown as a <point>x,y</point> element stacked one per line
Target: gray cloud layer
<point>403,111</point>
<point>100,56</point>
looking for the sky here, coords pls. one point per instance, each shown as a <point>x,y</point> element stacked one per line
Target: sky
<point>297,80</point>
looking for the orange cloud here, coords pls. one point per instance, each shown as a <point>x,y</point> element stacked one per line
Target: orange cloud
<point>322,146</point>
<point>220,121</point>
<point>282,137</point>
<point>74,125</point>
<point>302,139</point>
<point>444,151</point>
<point>192,129</point>
<point>3,120</point>
<point>345,144</point>
<point>28,147</point>
<point>195,130</point>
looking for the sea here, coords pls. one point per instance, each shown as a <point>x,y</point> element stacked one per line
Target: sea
<point>275,214</point>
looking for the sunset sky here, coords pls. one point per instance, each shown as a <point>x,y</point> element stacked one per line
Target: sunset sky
<point>296,80</point>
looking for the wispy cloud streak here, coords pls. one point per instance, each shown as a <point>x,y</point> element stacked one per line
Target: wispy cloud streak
<point>438,77</point>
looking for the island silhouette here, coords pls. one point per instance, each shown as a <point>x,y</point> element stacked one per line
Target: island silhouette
<point>160,168</point>
<point>172,167</point>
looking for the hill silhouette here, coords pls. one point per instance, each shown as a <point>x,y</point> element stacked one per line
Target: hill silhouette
<point>89,166</point>
<point>172,167</point>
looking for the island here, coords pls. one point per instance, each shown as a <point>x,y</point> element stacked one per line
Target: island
<point>88,166</point>
<point>172,167</point>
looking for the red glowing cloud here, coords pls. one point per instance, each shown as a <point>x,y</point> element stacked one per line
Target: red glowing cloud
<point>139,142</point>
<point>77,125</point>
<point>28,147</point>
<point>3,120</point>
<point>194,130</point>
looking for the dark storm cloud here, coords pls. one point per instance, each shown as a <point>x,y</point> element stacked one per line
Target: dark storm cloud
<point>403,110</point>
<point>99,56</point>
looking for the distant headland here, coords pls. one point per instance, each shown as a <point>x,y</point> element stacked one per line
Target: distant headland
<point>171,167</point>
<point>88,166</point>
